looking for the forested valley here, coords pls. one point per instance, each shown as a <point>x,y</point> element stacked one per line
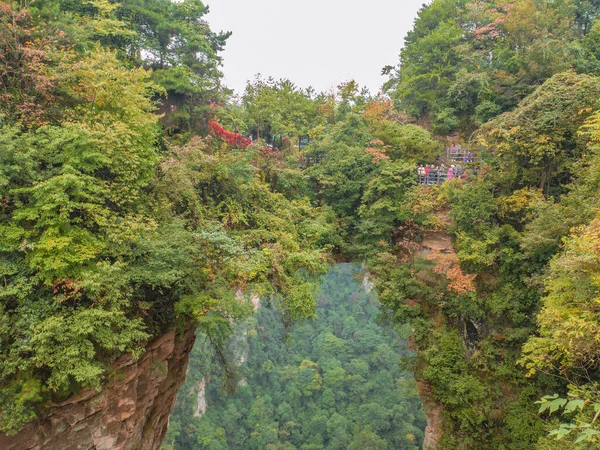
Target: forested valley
<point>334,382</point>
<point>139,195</point>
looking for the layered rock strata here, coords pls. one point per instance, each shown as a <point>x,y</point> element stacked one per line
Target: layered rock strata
<point>131,412</point>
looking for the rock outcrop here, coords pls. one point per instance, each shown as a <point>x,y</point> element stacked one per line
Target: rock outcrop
<point>433,412</point>
<point>201,405</point>
<point>131,412</point>
<point>436,246</point>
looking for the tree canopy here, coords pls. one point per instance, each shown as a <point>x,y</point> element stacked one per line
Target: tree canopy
<point>331,382</point>
<point>124,214</point>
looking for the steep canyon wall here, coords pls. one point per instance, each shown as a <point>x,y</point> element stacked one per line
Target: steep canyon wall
<point>131,412</point>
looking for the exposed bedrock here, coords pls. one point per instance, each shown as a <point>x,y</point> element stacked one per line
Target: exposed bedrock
<point>131,412</point>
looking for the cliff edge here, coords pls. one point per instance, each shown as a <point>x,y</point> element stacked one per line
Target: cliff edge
<point>436,246</point>
<point>131,412</point>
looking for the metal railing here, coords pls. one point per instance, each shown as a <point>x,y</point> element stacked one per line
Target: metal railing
<point>432,179</point>
<point>465,160</point>
<point>438,176</point>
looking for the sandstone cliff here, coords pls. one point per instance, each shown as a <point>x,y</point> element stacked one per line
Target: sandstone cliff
<point>131,412</point>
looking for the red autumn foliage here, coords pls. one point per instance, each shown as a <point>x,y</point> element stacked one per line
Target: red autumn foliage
<point>235,139</point>
<point>232,139</point>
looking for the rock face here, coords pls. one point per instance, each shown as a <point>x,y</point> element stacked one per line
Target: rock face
<point>201,405</point>
<point>437,247</point>
<point>131,412</point>
<point>433,413</point>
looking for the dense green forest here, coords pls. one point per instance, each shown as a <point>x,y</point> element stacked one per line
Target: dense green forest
<point>129,205</point>
<point>113,231</point>
<point>333,382</point>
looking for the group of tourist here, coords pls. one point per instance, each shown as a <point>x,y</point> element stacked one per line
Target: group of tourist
<point>432,174</point>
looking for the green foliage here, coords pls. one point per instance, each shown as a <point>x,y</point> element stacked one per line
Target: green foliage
<point>429,57</point>
<point>538,143</point>
<point>364,180</point>
<point>275,109</point>
<point>74,211</point>
<point>112,232</point>
<point>582,429</point>
<point>382,209</point>
<point>171,38</point>
<point>399,140</point>
<point>473,206</point>
<point>111,235</point>
<point>463,63</point>
<point>568,322</point>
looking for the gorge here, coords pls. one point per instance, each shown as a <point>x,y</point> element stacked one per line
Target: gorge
<point>143,203</point>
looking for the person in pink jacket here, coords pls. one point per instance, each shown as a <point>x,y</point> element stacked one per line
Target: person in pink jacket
<point>451,173</point>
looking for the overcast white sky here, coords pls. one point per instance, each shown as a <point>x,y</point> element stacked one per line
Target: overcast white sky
<point>312,42</point>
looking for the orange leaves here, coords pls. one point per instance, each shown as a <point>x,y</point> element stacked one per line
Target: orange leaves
<point>447,264</point>
<point>460,283</point>
<point>382,109</point>
<point>66,289</point>
<point>26,85</point>
<point>377,151</point>
<point>377,110</point>
<point>494,17</point>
